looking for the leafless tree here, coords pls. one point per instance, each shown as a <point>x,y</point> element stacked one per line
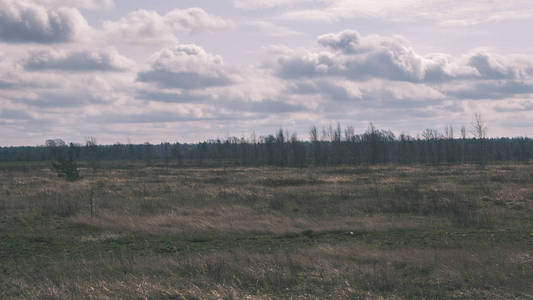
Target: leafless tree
<point>479,130</point>
<point>92,157</point>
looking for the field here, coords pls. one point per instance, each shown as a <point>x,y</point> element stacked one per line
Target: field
<point>346,232</point>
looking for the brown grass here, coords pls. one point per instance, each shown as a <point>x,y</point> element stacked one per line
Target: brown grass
<point>424,232</point>
<point>235,219</point>
<point>332,272</point>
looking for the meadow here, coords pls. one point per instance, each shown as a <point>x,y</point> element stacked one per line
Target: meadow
<point>157,231</point>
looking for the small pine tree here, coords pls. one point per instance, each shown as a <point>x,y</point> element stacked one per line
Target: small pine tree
<point>67,167</point>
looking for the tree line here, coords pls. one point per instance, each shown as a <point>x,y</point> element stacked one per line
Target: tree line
<point>325,146</point>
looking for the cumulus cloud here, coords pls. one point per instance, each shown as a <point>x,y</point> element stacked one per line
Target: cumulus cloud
<point>348,41</point>
<point>352,56</point>
<point>23,21</point>
<point>379,77</point>
<point>491,66</point>
<point>147,26</point>
<point>358,58</point>
<point>77,61</point>
<point>186,67</point>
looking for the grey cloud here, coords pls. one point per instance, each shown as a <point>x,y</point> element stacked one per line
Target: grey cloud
<point>486,68</point>
<point>305,64</point>
<point>347,96</point>
<point>12,114</point>
<point>399,64</point>
<point>77,61</point>
<point>388,100</point>
<point>325,88</point>
<point>186,67</point>
<point>7,84</point>
<point>348,41</point>
<point>493,89</point>
<point>149,117</point>
<point>525,106</point>
<point>264,106</point>
<point>159,96</point>
<point>379,115</point>
<point>13,78</point>
<point>22,21</point>
<point>377,94</point>
<point>158,117</point>
<point>490,66</point>
<point>454,107</point>
<point>61,99</point>
<point>183,80</point>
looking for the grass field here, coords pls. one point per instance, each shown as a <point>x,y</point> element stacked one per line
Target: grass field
<point>267,233</point>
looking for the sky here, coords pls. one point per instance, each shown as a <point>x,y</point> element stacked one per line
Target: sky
<point>134,71</point>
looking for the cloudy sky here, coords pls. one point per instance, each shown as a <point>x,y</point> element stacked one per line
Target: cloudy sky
<point>180,70</point>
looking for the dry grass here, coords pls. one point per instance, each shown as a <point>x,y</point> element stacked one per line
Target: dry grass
<point>236,219</point>
<point>267,233</point>
<point>332,272</point>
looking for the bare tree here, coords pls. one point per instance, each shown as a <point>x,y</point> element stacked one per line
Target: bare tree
<point>463,132</point>
<point>92,156</point>
<point>92,153</point>
<point>479,130</point>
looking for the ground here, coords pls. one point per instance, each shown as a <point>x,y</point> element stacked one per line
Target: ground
<point>345,232</point>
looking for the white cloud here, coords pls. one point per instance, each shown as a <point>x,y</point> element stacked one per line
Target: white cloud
<point>147,26</point>
<point>22,21</point>
<point>84,88</point>
<point>379,77</point>
<point>359,57</point>
<point>77,61</point>
<point>186,67</point>
<point>194,19</point>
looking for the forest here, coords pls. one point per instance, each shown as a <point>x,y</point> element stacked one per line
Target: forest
<point>325,146</point>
